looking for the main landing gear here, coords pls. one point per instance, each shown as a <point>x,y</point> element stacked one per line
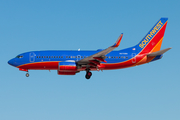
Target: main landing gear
<point>88,74</point>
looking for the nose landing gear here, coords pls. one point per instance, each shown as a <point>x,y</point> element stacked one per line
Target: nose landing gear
<point>27,74</point>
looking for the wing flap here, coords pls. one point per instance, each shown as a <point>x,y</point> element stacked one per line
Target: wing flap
<point>100,59</point>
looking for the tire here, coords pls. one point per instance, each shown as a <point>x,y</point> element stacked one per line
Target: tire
<point>88,75</point>
<point>27,74</point>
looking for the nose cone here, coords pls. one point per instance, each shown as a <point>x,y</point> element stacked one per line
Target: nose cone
<point>11,62</point>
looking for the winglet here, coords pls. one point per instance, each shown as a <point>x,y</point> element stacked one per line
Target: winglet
<point>116,44</point>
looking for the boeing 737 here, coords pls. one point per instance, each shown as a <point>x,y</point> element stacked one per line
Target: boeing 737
<point>72,62</point>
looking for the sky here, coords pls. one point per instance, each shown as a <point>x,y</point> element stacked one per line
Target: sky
<point>147,92</point>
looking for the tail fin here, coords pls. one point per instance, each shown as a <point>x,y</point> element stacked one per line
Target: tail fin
<point>153,40</point>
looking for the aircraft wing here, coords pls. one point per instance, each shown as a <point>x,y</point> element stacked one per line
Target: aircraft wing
<point>99,57</point>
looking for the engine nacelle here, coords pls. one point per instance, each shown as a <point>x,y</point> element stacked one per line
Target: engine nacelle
<point>67,68</point>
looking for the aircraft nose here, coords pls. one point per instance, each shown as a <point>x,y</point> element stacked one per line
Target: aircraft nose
<point>10,62</point>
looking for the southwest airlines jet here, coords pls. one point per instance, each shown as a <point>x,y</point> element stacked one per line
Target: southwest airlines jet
<point>72,62</point>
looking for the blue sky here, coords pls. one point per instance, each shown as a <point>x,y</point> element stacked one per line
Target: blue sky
<point>150,91</point>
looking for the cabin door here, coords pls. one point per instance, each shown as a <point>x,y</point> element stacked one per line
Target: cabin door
<point>133,57</point>
<point>31,57</point>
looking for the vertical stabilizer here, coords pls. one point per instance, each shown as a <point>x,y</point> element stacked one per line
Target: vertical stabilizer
<point>153,39</point>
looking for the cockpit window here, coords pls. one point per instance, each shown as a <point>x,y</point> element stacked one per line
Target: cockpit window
<point>19,56</point>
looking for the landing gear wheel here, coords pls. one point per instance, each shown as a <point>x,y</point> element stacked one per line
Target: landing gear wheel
<point>27,74</point>
<point>88,75</point>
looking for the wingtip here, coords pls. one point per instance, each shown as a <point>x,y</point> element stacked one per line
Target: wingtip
<point>118,41</point>
<point>121,34</point>
<point>169,48</point>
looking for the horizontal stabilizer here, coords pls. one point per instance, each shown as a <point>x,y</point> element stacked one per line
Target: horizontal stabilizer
<point>158,52</point>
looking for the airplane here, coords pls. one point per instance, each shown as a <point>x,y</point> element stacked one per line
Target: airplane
<point>68,62</point>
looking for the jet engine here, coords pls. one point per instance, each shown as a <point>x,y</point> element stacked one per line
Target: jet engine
<point>67,68</point>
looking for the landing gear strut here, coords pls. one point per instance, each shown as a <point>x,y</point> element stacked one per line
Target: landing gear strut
<point>27,74</point>
<point>88,74</point>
